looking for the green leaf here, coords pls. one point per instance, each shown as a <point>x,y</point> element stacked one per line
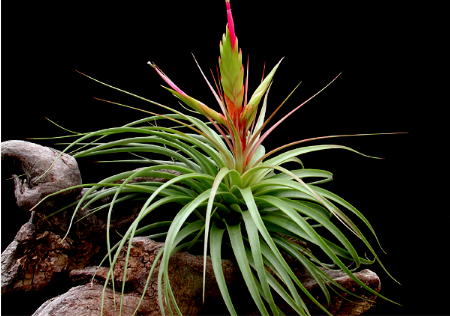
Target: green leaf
<point>249,200</point>
<point>146,149</point>
<point>318,240</point>
<point>260,151</point>
<point>278,288</point>
<point>222,173</point>
<point>251,176</point>
<point>306,173</point>
<point>327,224</point>
<point>344,203</point>
<point>170,244</point>
<point>285,226</point>
<point>235,179</point>
<point>253,237</point>
<point>237,244</point>
<point>277,266</point>
<point>216,260</point>
<point>249,112</point>
<point>312,269</point>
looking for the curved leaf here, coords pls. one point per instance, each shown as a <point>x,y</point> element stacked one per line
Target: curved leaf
<point>253,237</point>
<point>248,197</point>
<point>216,260</point>
<point>237,245</point>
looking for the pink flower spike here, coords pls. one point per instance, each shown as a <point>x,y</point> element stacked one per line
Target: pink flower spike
<point>169,82</point>
<point>230,24</point>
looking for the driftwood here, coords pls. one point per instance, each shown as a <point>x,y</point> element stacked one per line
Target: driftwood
<point>39,257</point>
<point>185,273</point>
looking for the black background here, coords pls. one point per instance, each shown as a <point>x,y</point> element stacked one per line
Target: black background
<point>43,45</point>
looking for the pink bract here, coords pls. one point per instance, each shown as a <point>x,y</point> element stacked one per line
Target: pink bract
<point>231,25</point>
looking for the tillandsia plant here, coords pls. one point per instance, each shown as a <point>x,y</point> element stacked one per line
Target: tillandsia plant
<point>229,191</point>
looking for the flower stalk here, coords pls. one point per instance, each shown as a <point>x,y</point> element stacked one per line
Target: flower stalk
<point>236,118</point>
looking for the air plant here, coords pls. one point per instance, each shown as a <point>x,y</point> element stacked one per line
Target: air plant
<point>229,191</point>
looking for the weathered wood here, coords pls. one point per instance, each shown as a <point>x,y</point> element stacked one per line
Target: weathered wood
<point>35,160</point>
<point>185,274</point>
<point>38,255</point>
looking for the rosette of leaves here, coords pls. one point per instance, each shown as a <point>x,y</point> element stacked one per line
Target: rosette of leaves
<point>229,191</point>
